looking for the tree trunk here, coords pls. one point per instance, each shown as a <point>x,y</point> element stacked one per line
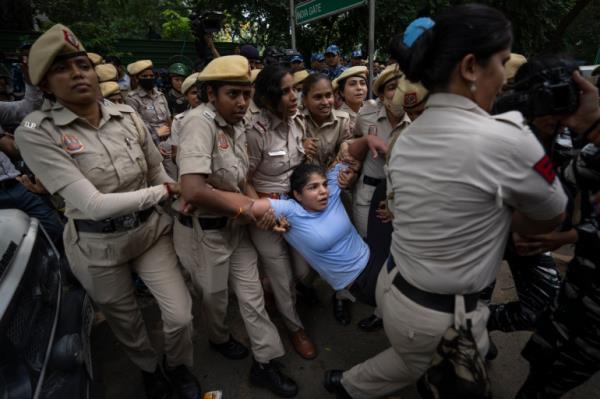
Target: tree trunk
<point>556,42</point>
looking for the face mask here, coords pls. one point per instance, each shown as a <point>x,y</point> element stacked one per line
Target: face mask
<point>146,83</point>
<point>395,108</point>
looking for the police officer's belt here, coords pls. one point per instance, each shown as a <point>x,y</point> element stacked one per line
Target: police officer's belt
<point>113,225</point>
<point>439,302</point>
<point>205,223</point>
<point>371,181</point>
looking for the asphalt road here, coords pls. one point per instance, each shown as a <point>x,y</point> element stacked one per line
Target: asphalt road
<point>339,347</point>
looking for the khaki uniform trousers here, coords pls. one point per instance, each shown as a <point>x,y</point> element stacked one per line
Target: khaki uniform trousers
<point>362,197</point>
<point>215,258</point>
<point>414,332</point>
<point>103,263</point>
<point>276,264</point>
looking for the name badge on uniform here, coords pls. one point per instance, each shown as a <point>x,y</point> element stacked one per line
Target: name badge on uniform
<point>277,153</point>
<point>150,107</point>
<point>72,144</point>
<point>222,141</point>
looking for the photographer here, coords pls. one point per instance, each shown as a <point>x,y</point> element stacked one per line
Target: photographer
<point>534,271</point>
<point>461,179</point>
<point>564,351</point>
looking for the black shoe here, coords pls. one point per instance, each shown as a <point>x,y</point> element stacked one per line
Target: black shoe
<point>184,382</point>
<point>267,375</point>
<point>156,385</point>
<point>307,294</point>
<point>492,352</point>
<point>371,323</point>
<point>231,349</point>
<point>333,383</point>
<point>341,310</point>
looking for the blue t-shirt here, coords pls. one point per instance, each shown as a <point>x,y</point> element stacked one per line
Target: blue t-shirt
<point>327,239</point>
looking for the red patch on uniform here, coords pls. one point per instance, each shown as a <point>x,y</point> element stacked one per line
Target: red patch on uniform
<point>546,169</point>
<point>72,144</point>
<point>71,39</point>
<point>222,140</point>
<point>410,99</point>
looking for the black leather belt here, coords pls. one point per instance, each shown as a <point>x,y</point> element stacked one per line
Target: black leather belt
<point>440,302</point>
<point>371,181</point>
<point>113,225</point>
<point>8,183</point>
<point>205,223</point>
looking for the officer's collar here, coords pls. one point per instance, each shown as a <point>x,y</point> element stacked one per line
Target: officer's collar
<point>328,122</point>
<point>63,116</point>
<point>218,118</point>
<point>454,101</point>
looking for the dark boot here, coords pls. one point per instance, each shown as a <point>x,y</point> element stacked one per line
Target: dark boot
<point>268,375</point>
<point>185,384</point>
<point>341,310</point>
<point>231,349</point>
<point>371,323</point>
<point>333,383</point>
<point>156,385</point>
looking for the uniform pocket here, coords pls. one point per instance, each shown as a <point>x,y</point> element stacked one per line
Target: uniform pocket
<point>92,166</point>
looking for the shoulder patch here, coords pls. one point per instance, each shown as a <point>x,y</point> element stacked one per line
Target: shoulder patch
<point>545,168</point>
<point>208,115</point>
<point>34,119</point>
<point>341,114</point>
<point>514,118</point>
<point>71,144</point>
<point>260,125</point>
<point>122,107</point>
<point>369,107</point>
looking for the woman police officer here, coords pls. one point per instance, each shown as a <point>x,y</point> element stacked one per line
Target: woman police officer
<point>352,88</point>
<point>213,245</point>
<point>461,180</point>
<point>99,157</point>
<point>275,149</point>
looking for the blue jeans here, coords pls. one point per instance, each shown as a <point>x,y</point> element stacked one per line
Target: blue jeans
<point>34,205</point>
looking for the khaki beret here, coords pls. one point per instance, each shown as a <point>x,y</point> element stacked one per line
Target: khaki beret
<point>106,72</point>
<point>58,40</point>
<point>409,94</point>
<point>109,88</point>
<point>136,67</point>
<point>189,82</point>
<point>95,58</point>
<point>253,74</point>
<point>390,72</point>
<point>300,76</point>
<point>229,68</point>
<point>350,72</point>
<point>512,66</point>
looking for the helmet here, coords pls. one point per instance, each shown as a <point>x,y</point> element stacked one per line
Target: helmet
<point>179,69</point>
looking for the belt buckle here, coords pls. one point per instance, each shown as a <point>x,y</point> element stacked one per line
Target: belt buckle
<point>129,221</point>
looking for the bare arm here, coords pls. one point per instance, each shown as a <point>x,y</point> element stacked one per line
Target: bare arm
<point>196,192</point>
<point>358,147</point>
<point>526,226</point>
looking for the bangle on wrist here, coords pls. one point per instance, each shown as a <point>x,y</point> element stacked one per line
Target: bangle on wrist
<point>239,213</point>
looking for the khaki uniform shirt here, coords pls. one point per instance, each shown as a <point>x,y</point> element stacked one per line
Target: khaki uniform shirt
<point>210,146</point>
<point>61,148</point>
<point>353,115</point>
<point>153,108</point>
<point>275,149</point>
<point>457,174</point>
<point>252,112</point>
<point>176,128</point>
<point>373,113</point>
<point>331,135</point>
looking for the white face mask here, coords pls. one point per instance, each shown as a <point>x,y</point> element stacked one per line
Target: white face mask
<point>395,108</point>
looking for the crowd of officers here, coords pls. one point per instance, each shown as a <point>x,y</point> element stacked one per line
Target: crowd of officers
<point>142,174</point>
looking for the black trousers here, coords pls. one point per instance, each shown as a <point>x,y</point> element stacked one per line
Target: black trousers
<point>379,239</point>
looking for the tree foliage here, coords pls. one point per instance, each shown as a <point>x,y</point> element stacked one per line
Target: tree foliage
<point>539,26</point>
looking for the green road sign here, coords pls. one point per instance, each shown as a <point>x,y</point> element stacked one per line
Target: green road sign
<point>317,9</point>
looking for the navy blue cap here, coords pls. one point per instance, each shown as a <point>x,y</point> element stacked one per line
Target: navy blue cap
<point>357,54</point>
<point>318,57</point>
<point>297,58</point>
<point>333,49</point>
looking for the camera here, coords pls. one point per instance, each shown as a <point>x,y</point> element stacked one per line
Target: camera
<point>552,91</point>
<point>207,22</point>
<point>584,170</point>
